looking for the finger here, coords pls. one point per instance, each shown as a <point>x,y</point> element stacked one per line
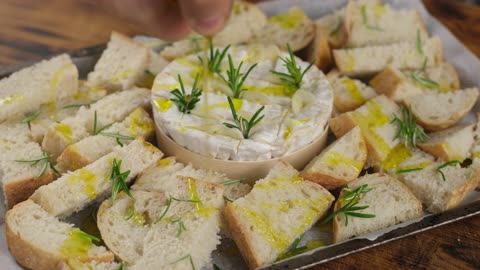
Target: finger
<point>205,16</point>
<point>161,18</point>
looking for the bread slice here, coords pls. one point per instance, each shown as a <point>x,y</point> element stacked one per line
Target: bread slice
<point>40,241</point>
<point>450,144</point>
<point>19,179</point>
<point>73,264</point>
<point>75,190</point>
<point>449,107</point>
<point>378,24</point>
<point>475,150</point>
<point>112,108</point>
<point>403,159</point>
<point>375,120</point>
<point>163,230</point>
<point>121,65</point>
<point>404,55</point>
<point>89,149</point>
<point>389,200</point>
<point>439,195</point>
<point>348,94</point>
<point>293,28</point>
<point>245,21</point>
<point>46,82</point>
<point>278,210</point>
<point>340,163</point>
<point>399,85</point>
<point>318,51</point>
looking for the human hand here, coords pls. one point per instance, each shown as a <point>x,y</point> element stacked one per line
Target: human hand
<point>173,19</point>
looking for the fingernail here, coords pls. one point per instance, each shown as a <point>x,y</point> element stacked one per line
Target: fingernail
<point>207,25</point>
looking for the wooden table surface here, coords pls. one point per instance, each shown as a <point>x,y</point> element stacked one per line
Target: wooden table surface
<point>32,29</point>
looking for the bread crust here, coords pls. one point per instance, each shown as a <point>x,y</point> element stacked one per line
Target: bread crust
<point>20,190</point>
<point>327,181</point>
<point>341,124</point>
<point>72,160</point>
<point>318,51</point>
<point>387,82</point>
<point>436,150</point>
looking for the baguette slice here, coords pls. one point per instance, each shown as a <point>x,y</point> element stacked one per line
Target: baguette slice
<point>19,179</point>
<point>75,190</point>
<point>40,241</point>
<point>449,107</point>
<point>439,195</point>
<point>318,51</point>
<point>46,82</point>
<point>122,64</point>
<point>293,28</point>
<point>279,209</point>
<point>86,151</point>
<point>404,55</point>
<point>389,200</point>
<point>399,85</point>
<point>348,94</point>
<point>340,163</point>
<point>403,159</point>
<point>450,144</point>
<point>112,108</point>
<point>378,24</point>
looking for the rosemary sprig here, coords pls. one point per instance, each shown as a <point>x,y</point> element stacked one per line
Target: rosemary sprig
<point>231,182</point>
<point>119,180</point>
<point>47,164</point>
<point>227,199</point>
<point>75,105</point>
<point>425,82</point>
<point>117,136</point>
<point>408,170</point>
<point>235,79</point>
<point>189,257</point>
<point>449,163</point>
<point>186,102</point>
<point>95,131</point>
<point>295,75</point>
<point>87,236</point>
<point>169,204</point>
<point>181,227</point>
<point>349,202</point>
<point>419,42</point>
<point>408,130</point>
<point>242,124</point>
<point>363,10</point>
<point>215,58</point>
<point>30,117</point>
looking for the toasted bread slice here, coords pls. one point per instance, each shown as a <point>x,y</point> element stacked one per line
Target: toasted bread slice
<point>122,64</point>
<point>40,241</point>
<point>404,55</point>
<point>450,144</point>
<point>84,152</point>
<point>440,195</point>
<point>340,163</point>
<point>449,107</point>
<point>76,190</point>
<point>399,85</point>
<point>261,222</point>
<point>348,94</point>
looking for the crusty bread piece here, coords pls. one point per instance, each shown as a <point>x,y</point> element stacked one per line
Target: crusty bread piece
<point>318,51</point>
<point>40,241</point>
<point>402,159</point>
<point>348,94</point>
<point>73,264</point>
<point>450,144</point>
<point>398,85</point>
<point>438,195</point>
<point>122,64</point>
<point>378,24</point>
<point>112,108</point>
<point>279,209</point>
<point>340,163</point>
<point>375,120</point>
<point>76,190</point>
<point>389,200</point>
<point>150,241</point>
<point>449,107</point>
<point>293,28</point>
<point>404,55</point>
<point>246,20</point>
<point>19,179</point>
<point>89,149</point>
<point>46,82</point>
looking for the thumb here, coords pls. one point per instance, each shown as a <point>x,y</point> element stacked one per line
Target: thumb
<point>205,16</point>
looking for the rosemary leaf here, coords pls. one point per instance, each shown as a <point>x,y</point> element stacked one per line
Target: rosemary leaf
<point>87,236</point>
<point>227,199</point>
<point>408,170</point>
<point>363,10</point>
<point>215,58</point>
<point>425,82</point>
<point>295,75</point>
<point>121,267</point>
<point>130,213</point>
<point>242,124</point>
<point>186,102</point>
<point>75,105</point>
<point>47,163</point>
<point>30,117</point>
<point>119,180</point>
<point>189,257</point>
<point>235,79</point>
<point>408,130</point>
<point>117,136</point>
<point>165,211</point>
<point>419,42</point>
<point>449,163</point>
<point>95,130</point>
<point>231,182</point>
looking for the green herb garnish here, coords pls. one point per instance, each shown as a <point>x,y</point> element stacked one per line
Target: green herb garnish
<point>231,182</point>
<point>189,257</point>
<point>181,227</point>
<point>242,124</point>
<point>95,131</point>
<point>130,213</point>
<point>215,58</point>
<point>169,204</point>
<point>117,136</point>
<point>363,10</point>
<point>121,267</point>
<point>408,170</point>
<point>295,75</point>
<point>425,82</point>
<point>349,203</point>
<point>235,78</point>
<point>449,163</point>
<point>419,42</point>
<point>408,130</point>
<point>30,117</point>
<point>186,102</point>
<point>75,105</point>
<point>227,199</point>
<point>87,236</point>
<point>47,164</point>
<point>119,180</point>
